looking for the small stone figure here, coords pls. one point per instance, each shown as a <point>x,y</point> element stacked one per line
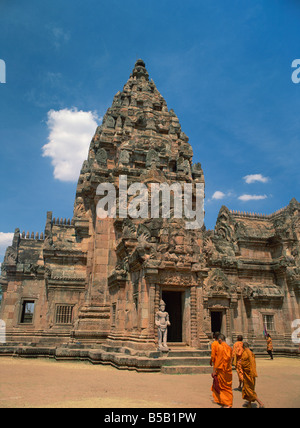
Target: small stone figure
<point>162,322</point>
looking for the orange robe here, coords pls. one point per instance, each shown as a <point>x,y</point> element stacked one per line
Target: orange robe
<point>249,369</point>
<point>237,353</point>
<point>223,370</point>
<point>269,344</point>
<point>214,347</point>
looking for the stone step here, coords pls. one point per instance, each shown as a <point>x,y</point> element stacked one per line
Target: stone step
<point>186,369</point>
<point>188,353</point>
<point>186,361</point>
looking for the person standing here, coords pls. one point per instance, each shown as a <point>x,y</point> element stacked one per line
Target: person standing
<point>269,346</point>
<point>214,346</point>
<point>236,359</point>
<point>248,366</point>
<point>223,372</point>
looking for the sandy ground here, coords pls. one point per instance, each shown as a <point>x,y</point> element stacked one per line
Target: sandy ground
<point>40,383</point>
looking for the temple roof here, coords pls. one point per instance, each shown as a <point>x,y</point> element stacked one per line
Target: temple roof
<point>139,132</point>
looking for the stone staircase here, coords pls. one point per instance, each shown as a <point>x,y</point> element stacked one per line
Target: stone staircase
<point>183,359</point>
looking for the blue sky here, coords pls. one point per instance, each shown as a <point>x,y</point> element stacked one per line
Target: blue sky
<point>224,67</point>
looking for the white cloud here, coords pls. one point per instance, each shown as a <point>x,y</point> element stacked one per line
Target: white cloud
<point>69,138</point>
<point>5,241</point>
<point>218,195</point>
<point>252,197</point>
<point>252,178</point>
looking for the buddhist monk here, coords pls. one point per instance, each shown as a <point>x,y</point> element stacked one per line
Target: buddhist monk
<point>269,346</point>
<point>214,346</point>
<point>223,372</point>
<point>248,365</point>
<point>236,360</point>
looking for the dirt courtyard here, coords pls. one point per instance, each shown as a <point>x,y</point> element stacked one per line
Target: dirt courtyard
<point>39,383</point>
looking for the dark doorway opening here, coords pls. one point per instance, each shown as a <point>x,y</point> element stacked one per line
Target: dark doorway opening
<point>173,301</point>
<point>216,321</point>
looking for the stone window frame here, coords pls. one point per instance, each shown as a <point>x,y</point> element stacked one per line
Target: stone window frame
<point>21,313</point>
<point>69,316</point>
<point>270,314</point>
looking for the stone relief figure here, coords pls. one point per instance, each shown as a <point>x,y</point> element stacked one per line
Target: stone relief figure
<point>124,157</point>
<point>101,157</point>
<point>10,256</point>
<point>152,158</point>
<point>162,322</point>
<point>183,166</point>
<point>79,209</point>
<point>109,122</point>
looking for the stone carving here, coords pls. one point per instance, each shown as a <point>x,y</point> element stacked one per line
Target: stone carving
<point>101,157</point>
<point>177,278</point>
<point>129,229</point>
<point>196,167</point>
<point>10,256</point>
<point>162,323</point>
<point>109,122</point>
<point>152,158</point>
<point>218,284</point>
<point>183,166</point>
<point>79,209</point>
<point>266,292</point>
<point>124,157</point>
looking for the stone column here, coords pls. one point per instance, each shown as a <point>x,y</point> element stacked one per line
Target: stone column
<point>203,341</point>
<point>152,294</point>
<point>194,317</point>
<point>148,304</point>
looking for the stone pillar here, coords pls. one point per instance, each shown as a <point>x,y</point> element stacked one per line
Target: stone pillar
<point>203,341</point>
<point>152,295</point>
<point>104,259</point>
<point>194,317</point>
<point>144,306</point>
<point>149,304</point>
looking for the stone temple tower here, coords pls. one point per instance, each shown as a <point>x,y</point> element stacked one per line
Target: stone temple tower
<point>132,261</point>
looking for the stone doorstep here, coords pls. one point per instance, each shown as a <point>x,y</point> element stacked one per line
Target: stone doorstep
<point>186,370</point>
<point>185,360</point>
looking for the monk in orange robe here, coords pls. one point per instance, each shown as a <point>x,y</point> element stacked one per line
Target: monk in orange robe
<point>269,346</point>
<point>236,360</point>
<point>248,365</point>
<point>214,346</point>
<point>223,371</point>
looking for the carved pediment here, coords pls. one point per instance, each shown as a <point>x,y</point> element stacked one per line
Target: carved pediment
<point>218,284</point>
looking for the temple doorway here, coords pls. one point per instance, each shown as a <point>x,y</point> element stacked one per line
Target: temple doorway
<point>216,321</point>
<point>173,301</point>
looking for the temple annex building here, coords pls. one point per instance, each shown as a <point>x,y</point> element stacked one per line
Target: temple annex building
<point>89,288</point>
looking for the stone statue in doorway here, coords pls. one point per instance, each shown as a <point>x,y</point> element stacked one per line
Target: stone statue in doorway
<point>162,322</point>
